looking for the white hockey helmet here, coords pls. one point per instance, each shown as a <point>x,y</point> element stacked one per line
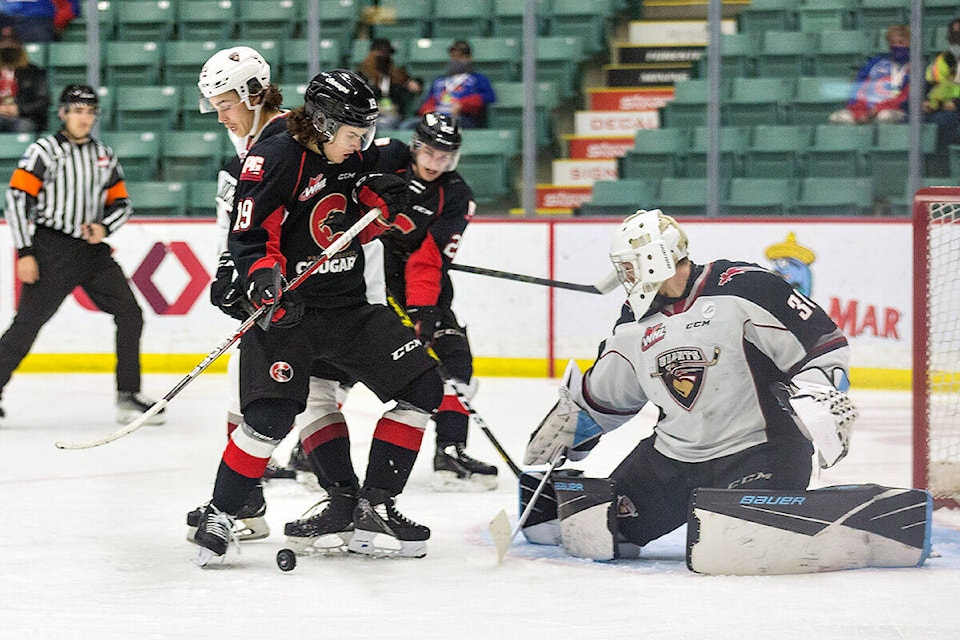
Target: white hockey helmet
<point>239,69</point>
<point>645,251</point>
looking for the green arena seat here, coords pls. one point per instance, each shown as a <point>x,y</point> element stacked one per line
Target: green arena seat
<point>151,108</point>
<point>155,198</point>
<point>760,196</point>
<point>620,198</point>
<point>138,153</point>
<point>834,197</point>
<point>190,155</point>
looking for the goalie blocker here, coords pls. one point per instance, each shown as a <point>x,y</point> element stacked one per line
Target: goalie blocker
<point>736,532</point>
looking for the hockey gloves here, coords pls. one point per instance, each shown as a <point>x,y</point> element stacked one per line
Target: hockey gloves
<point>262,290</point>
<point>225,291</point>
<point>823,413</point>
<point>426,320</point>
<point>567,427</point>
<point>385,191</point>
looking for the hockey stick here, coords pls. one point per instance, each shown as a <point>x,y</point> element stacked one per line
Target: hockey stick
<point>338,245</point>
<point>608,284</point>
<point>499,527</point>
<point>482,424</point>
<point>461,395</point>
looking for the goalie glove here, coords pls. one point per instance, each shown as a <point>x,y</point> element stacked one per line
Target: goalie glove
<point>825,415</point>
<point>567,428</point>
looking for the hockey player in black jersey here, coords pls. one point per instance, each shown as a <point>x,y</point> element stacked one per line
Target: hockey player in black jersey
<point>416,265</point>
<point>297,192</point>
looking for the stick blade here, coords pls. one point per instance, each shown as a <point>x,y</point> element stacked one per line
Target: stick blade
<point>501,534</point>
<point>110,437</point>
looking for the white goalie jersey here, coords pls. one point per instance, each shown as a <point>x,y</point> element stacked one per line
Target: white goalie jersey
<point>712,360</point>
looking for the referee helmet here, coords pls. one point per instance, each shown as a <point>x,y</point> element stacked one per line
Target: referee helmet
<point>79,94</point>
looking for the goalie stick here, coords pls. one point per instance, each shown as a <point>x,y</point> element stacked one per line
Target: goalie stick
<point>608,284</point>
<point>338,245</point>
<point>499,527</point>
<point>456,386</point>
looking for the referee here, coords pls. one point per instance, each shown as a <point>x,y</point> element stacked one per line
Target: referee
<point>67,195</point>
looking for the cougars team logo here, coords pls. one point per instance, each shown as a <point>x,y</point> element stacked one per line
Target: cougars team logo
<point>281,371</point>
<point>682,371</point>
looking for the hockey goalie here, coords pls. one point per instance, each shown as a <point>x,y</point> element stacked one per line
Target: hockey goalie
<point>749,377</point>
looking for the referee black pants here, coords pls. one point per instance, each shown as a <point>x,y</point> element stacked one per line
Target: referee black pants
<point>66,263</point>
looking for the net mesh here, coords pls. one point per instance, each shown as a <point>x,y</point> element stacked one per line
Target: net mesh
<point>943,348</point>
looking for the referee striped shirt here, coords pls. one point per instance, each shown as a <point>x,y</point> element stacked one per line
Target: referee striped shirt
<point>63,185</point>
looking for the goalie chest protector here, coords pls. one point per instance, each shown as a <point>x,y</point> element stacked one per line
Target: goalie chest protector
<point>736,532</point>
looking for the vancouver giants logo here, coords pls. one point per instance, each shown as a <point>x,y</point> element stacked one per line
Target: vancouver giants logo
<point>652,336</point>
<point>729,274</point>
<point>281,371</point>
<point>682,372</point>
<point>315,186</point>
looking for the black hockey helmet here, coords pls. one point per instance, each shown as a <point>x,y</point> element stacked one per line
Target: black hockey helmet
<point>438,131</point>
<point>341,97</point>
<point>79,94</point>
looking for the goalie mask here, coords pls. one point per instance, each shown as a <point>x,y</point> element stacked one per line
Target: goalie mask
<point>440,134</point>
<point>645,251</point>
<point>341,97</point>
<point>239,69</point>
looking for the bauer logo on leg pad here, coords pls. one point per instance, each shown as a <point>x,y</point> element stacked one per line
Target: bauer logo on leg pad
<point>543,524</point>
<point>758,532</point>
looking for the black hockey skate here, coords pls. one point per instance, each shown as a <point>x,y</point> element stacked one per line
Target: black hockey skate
<point>133,404</point>
<point>381,530</point>
<point>214,534</point>
<point>326,526</point>
<point>249,524</point>
<point>455,470</point>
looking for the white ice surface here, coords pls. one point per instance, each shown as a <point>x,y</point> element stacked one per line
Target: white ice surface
<point>93,541</point>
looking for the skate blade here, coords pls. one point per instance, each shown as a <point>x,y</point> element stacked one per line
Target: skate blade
<point>325,545</point>
<point>205,556</point>
<point>381,545</point>
<point>450,482</point>
<point>247,529</point>
<point>127,416</point>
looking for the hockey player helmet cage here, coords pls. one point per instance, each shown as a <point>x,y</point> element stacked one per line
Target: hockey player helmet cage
<point>79,94</point>
<point>440,132</point>
<point>645,251</point>
<point>341,97</point>
<point>239,69</point>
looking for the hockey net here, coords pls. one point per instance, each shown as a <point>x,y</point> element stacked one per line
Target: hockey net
<point>936,343</point>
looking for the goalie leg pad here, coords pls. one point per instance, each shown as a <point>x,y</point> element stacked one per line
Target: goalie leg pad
<point>735,532</point>
<point>543,523</point>
<point>589,509</point>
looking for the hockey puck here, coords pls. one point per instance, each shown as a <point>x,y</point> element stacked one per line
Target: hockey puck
<point>286,560</point>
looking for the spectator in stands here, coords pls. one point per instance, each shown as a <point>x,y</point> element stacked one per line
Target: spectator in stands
<point>38,20</point>
<point>462,92</point>
<point>942,106</point>
<point>881,89</point>
<point>24,96</point>
<point>392,85</point>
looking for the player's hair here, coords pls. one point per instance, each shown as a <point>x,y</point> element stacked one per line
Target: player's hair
<point>271,98</point>
<point>301,128</point>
